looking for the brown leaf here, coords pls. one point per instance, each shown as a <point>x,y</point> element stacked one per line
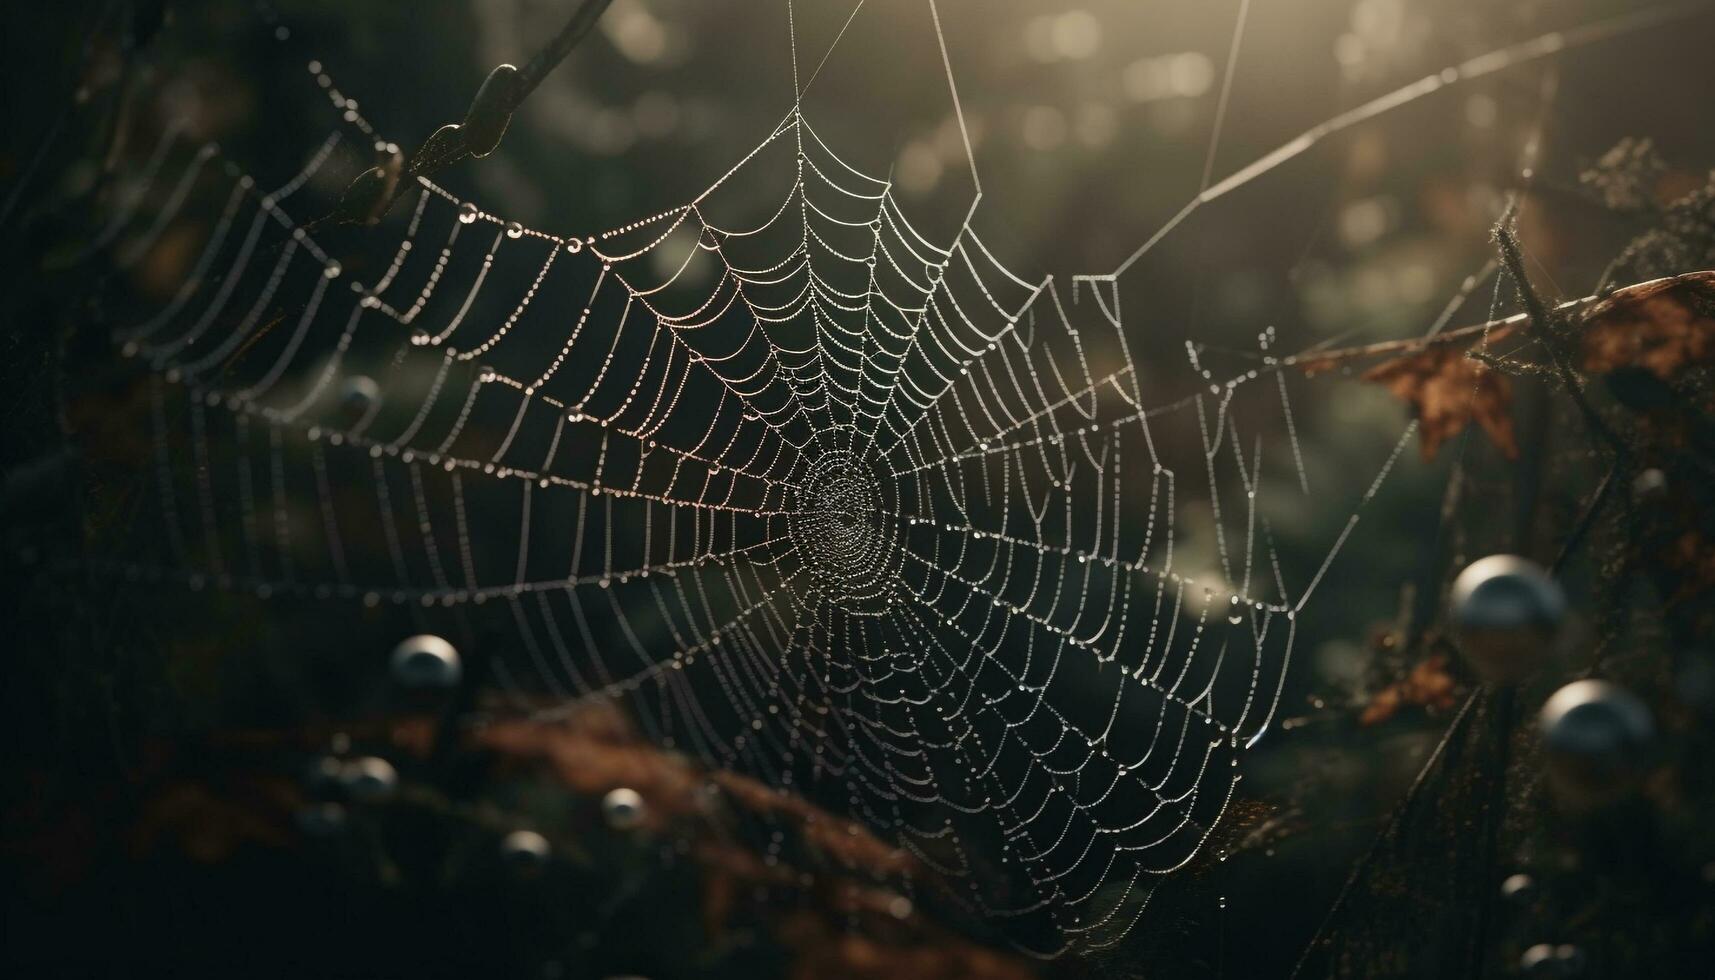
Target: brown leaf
<point>1664,326</point>
<point>594,751</point>
<point>839,865</point>
<point>1692,558</point>
<point>208,824</point>
<point>1384,704</point>
<point>1429,685</point>
<point>1447,390</point>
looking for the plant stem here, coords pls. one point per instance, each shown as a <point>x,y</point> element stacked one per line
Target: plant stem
<point>583,20</point>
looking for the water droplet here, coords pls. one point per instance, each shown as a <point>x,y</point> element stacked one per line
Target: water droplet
<point>525,851</point>
<point>467,213</point>
<point>623,808</point>
<point>514,230</point>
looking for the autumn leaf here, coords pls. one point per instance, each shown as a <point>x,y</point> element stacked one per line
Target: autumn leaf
<point>1448,390</point>
<point>1663,326</point>
<point>209,824</point>
<point>841,867</point>
<point>1429,685</point>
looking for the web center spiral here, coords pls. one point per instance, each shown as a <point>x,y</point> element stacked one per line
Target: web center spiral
<point>841,525</point>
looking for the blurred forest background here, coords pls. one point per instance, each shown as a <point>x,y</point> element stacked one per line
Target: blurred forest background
<point>157,809</point>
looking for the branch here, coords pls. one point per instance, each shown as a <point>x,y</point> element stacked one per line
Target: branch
<point>582,22</point>
<point>372,194</point>
<point>1540,322</point>
<point>1318,361</point>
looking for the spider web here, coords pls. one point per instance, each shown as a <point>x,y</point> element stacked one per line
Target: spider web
<point>823,499</point>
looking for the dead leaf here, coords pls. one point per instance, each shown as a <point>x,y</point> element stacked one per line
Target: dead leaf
<point>1692,557</point>
<point>592,752</point>
<point>1447,390</point>
<point>1664,326</point>
<point>839,865</point>
<point>1428,685</point>
<point>209,825</point>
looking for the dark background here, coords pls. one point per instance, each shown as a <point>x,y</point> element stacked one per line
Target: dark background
<point>1090,122</point>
